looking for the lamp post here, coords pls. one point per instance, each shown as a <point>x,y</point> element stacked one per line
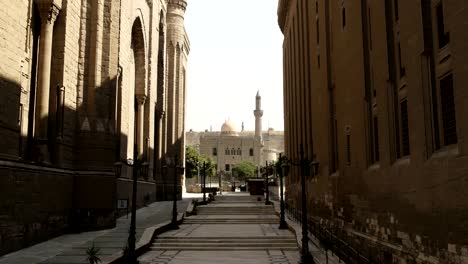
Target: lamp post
<point>279,169</point>
<point>204,182</point>
<point>220,175</point>
<point>136,164</point>
<point>267,170</point>
<point>198,171</point>
<point>304,164</point>
<point>177,169</point>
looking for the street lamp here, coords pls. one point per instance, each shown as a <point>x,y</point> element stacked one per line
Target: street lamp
<point>178,169</point>
<point>220,175</point>
<point>198,171</point>
<point>204,182</point>
<point>305,165</point>
<point>268,169</point>
<point>279,169</point>
<point>143,167</point>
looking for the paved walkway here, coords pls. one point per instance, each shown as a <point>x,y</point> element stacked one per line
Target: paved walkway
<point>235,229</point>
<point>71,248</point>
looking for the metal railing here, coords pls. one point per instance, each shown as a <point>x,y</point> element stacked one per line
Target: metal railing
<point>335,239</point>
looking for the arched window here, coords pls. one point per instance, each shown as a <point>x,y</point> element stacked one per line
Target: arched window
<point>239,152</point>
<point>226,152</point>
<point>233,151</point>
<point>251,152</point>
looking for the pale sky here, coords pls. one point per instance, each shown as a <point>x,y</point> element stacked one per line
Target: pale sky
<point>236,49</point>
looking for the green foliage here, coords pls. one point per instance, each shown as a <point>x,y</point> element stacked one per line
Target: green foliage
<point>92,254</point>
<point>244,170</point>
<point>193,159</point>
<point>210,166</point>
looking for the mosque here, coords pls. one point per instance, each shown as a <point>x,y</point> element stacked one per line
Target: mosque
<point>229,146</point>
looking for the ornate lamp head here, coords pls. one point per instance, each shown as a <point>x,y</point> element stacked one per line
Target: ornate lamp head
<point>118,169</point>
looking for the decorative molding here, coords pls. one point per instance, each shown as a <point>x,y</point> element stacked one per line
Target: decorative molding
<point>49,11</point>
<point>149,3</point>
<point>178,4</point>
<point>141,99</point>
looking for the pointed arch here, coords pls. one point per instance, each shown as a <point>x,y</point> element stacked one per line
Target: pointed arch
<point>139,52</point>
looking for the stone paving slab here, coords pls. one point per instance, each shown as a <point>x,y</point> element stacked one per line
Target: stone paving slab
<point>235,204</point>
<point>225,257</point>
<point>227,230</point>
<point>252,216</point>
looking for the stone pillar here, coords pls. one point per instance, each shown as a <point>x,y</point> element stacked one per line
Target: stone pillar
<point>96,34</point>
<point>141,115</point>
<point>49,12</point>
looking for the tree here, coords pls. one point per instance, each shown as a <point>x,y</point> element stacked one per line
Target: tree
<point>194,160</point>
<point>192,156</point>
<point>244,170</point>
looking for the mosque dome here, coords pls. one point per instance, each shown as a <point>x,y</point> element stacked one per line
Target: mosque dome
<point>228,128</point>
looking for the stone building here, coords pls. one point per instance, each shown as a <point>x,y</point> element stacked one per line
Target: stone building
<point>375,91</point>
<point>83,85</point>
<point>229,146</point>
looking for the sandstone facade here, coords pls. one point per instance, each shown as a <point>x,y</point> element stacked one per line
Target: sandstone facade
<point>376,92</point>
<point>83,85</point>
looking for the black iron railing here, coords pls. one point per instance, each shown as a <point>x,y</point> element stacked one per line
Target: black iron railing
<point>274,193</point>
<point>335,239</point>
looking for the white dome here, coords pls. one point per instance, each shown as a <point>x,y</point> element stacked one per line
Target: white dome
<point>228,128</point>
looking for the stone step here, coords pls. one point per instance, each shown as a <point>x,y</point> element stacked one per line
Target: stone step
<point>240,209</point>
<point>212,207</point>
<point>227,248</point>
<point>205,244</point>
<point>225,244</point>
<point>236,198</point>
<point>232,202</point>
<point>236,213</point>
<point>204,238</point>
<point>225,241</point>
<point>231,221</point>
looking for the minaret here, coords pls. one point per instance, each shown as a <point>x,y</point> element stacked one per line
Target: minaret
<point>258,115</point>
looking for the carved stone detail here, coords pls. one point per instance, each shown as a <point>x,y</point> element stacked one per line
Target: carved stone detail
<point>48,11</point>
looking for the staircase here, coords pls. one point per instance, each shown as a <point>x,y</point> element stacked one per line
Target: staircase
<point>225,243</point>
<point>229,224</point>
<point>235,210</point>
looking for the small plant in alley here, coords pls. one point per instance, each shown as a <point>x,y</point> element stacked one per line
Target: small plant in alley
<point>92,254</point>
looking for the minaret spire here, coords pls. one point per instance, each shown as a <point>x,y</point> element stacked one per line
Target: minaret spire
<point>258,115</point>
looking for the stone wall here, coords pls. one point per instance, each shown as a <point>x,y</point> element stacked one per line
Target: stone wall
<point>382,177</point>
<point>35,204</point>
<point>64,124</point>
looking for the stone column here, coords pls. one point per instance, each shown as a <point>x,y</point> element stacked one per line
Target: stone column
<point>159,140</point>
<point>95,57</point>
<point>141,115</point>
<point>49,12</point>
